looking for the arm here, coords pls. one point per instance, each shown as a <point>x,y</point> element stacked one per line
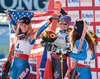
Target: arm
<point>37,33</point>
<point>12,23</point>
<point>41,29</point>
<point>83,54</point>
<point>93,57</point>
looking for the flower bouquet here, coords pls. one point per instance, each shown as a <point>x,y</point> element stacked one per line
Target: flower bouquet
<point>93,37</point>
<point>49,36</point>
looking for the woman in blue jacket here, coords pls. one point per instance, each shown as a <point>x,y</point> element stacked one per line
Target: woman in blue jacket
<point>86,54</point>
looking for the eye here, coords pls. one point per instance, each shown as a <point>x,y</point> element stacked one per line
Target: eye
<point>65,23</point>
<point>60,22</point>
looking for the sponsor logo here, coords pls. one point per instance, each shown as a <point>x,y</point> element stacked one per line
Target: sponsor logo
<point>61,38</point>
<point>74,15</point>
<point>86,0</point>
<point>24,73</point>
<point>97,15</point>
<point>19,51</point>
<point>87,15</point>
<point>73,1</point>
<point>98,31</point>
<point>56,74</point>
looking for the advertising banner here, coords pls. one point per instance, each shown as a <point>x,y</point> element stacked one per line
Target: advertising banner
<point>97,2</point>
<point>88,15</point>
<point>74,15</point>
<point>73,3</point>
<point>94,75</point>
<point>98,62</point>
<point>86,2</point>
<point>97,15</point>
<point>98,75</point>
<point>98,31</point>
<point>98,47</point>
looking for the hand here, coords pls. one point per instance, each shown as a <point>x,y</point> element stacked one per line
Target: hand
<point>43,43</point>
<point>50,19</point>
<point>54,17</point>
<point>61,51</point>
<point>4,65</point>
<point>70,72</point>
<point>8,17</point>
<point>8,14</point>
<point>48,23</point>
<point>51,47</point>
<point>62,11</point>
<point>58,52</point>
<point>68,52</point>
<point>64,52</point>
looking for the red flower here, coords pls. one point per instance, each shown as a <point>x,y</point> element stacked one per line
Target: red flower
<point>69,30</point>
<point>49,32</point>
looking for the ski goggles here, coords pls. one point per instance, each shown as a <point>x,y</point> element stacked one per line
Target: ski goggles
<point>63,23</point>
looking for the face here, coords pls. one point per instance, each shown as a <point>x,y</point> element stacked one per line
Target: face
<point>63,25</point>
<point>24,27</point>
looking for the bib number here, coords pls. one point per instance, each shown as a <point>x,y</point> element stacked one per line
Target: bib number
<point>17,46</point>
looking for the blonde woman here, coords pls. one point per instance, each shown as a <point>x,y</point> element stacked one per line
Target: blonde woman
<point>25,39</point>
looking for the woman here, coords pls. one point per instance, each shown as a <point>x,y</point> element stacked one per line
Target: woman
<point>62,44</point>
<point>87,52</point>
<point>25,39</point>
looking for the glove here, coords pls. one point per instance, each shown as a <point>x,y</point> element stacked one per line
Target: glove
<point>51,47</point>
<point>4,65</point>
<point>58,52</point>
<point>68,52</point>
<point>69,74</point>
<point>54,17</point>
<point>62,11</point>
<point>50,19</point>
<point>65,52</point>
<point>43,43</point>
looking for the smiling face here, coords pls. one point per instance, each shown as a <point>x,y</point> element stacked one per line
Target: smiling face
<point>63,25</point>
<point>24,27</point>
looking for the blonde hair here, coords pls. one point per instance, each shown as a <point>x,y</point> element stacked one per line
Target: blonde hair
<point>18,31</point>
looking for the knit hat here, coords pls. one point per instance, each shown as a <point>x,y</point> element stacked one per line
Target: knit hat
<point>25,20</point>
<point>65,18</point>
<point>79,24</point>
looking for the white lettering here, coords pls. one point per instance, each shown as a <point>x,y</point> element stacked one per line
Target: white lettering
<point>36,5</point>
<point>3,5</point>
<point>24,73</point>
<point>20,5</point>
<point>25,4</point>
<point>28,4</point>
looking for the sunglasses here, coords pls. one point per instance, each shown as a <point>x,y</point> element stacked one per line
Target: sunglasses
<point>63,23</point>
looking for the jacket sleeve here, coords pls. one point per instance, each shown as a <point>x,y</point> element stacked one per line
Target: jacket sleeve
<point>93,56</point>
<point>83,54</point>
<point>13,25</point>
<point>37,33</point>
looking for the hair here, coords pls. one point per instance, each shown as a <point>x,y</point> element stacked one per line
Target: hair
<point>20,32</point>
<point>75,36</point>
